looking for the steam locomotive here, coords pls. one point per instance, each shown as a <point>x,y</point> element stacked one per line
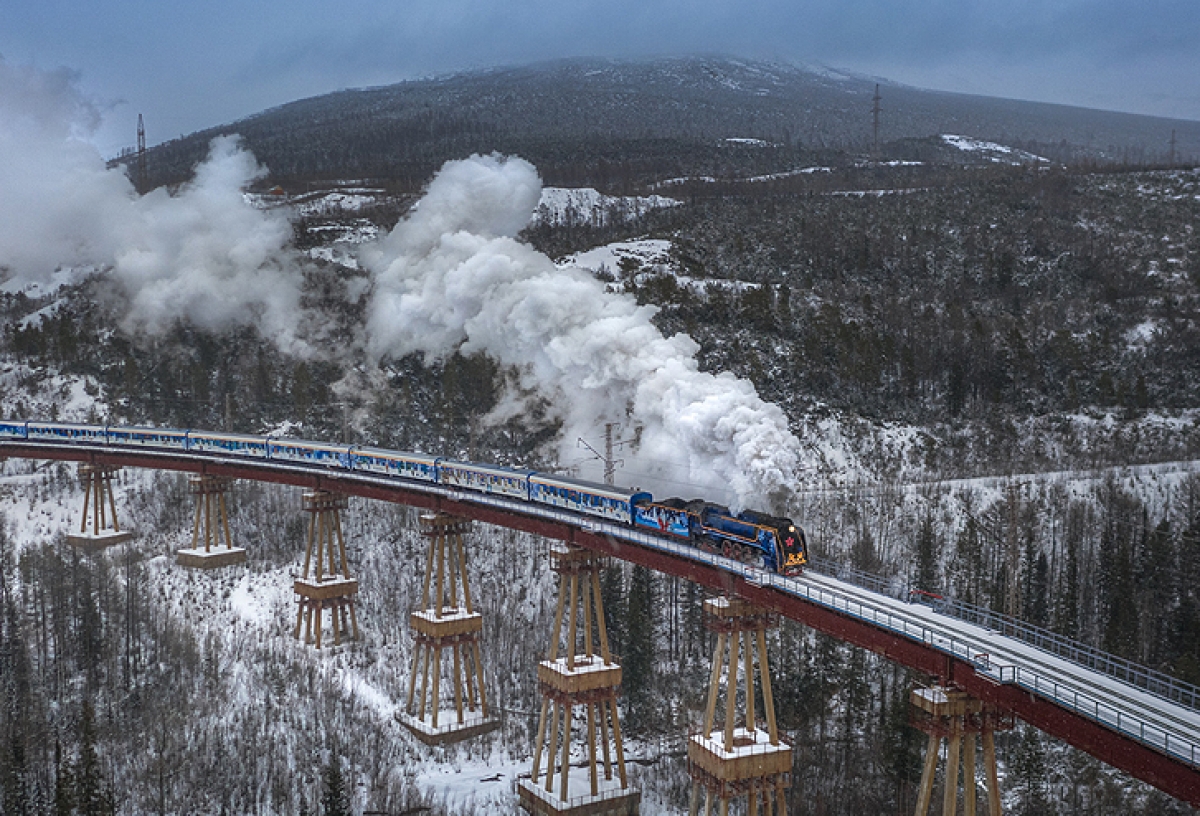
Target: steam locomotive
<point>775,543</point>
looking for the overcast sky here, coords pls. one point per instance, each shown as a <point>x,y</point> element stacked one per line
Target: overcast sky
<point>190,66</point>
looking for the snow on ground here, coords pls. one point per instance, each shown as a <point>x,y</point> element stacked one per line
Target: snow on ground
<point>483,783</point>
<point>645,258</point>
<point>650,253</point>
<point>247,610</point>
<point>29,393</point>
<point>250,605</point>
<point>63,276</point>
<point>338,202</point>
<point>1141,335</point>
<point>876,193</point>
<point>1167,186</point>
<point>587,206</point>
<point>1001,154</point>
<point>671,182</point>
<point>801,171</point>
<point>34,319</point>
<point>27,515</point>
<point>342,241</point>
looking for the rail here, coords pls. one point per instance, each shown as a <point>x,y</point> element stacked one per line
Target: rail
<point>1150,680</point>
<point>974,651</point>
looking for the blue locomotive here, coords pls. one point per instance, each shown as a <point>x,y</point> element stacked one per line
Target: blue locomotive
<point>748,536</point>
<point>757,538</point>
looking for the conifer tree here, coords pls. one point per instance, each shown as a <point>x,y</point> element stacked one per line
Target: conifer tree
<point>64,784</point>
<point>638,660</point>
<point>1185,623</point>
<point>333,796</point>
<point>15,793</point>
<point>926,546</point>
<point>612,593</point>
<point>1030,774</point>
<point>92,796</point>
<point>901,754</point>
<point>1066,597</point>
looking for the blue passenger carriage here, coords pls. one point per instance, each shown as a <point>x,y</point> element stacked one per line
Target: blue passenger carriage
<point>66,432</point>
<point>308,452</point>
<point>668,517</point>
<point>12,429</point>
<point>485,478</point>
<point>147,437</point>
<point>234,444</point>
<point>604,501</point>
<point>419,466</point>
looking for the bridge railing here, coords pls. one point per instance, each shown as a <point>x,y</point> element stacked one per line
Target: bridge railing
<point>1130,725</point>
<point>1066,695</point>
<point>1142,677</point>
<point>1147,679</point>
<point>894,587</point>
<point>976,652</point>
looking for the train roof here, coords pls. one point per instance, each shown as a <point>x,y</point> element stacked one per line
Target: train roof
<point>149,429</point>
<point>306,443</point>
<point>88,426</point>
<point>412,456</point>
<point>232,437</point>
<point>591,487</point>
<point>496,470</point>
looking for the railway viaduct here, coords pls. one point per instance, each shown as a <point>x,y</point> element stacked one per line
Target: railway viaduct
<point>1148,727</point>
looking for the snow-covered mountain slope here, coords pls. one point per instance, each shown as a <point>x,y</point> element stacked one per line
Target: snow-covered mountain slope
<point>586,206</point>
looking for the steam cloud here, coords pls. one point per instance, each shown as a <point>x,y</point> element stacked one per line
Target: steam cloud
<point>449,276</point>
<point>452,276</point>
<point>203,255</point>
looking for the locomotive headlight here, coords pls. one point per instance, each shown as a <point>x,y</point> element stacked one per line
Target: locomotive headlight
<point>791,529</point>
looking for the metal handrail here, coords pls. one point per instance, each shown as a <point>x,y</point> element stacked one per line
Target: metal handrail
<point>1068,696</point>
<point>1151,680</point>
<point>977,653</point>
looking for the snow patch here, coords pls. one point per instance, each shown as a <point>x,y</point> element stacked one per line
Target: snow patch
<point>586,206</point>
<point>751,142</point>
<point>336,203</point>
<point>992,151</point>
<point>650,253</point>
<point>1141,335</point>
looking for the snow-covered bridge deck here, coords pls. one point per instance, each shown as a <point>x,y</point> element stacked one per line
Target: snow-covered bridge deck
<point>1152,738</point>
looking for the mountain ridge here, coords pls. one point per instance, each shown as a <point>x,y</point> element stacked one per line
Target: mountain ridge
<point>577,118</point>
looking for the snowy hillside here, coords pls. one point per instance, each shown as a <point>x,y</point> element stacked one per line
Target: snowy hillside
<point>992,151</point>
<point>644,121</point>
<point>571,207</point>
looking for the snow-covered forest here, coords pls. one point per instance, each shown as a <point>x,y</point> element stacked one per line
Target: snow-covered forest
<point>986,361</point>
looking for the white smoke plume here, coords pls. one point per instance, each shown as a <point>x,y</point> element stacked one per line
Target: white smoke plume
<point>206,255</point>
<point>203,255</point>
<point>452,276</point>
